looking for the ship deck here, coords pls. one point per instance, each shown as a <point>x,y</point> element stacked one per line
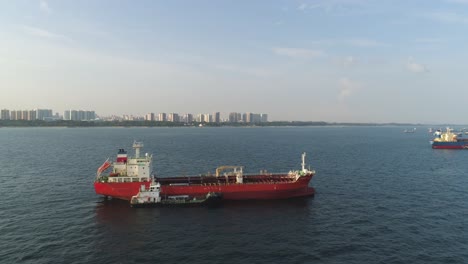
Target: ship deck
<point>230,179</point>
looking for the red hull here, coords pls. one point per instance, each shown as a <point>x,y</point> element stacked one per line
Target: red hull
<point>120,190</point>
<point>449,147</point>
<point>259,187</point>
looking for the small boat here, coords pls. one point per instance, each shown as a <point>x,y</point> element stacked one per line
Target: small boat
<point>149,197</point>
<point>409,130</point>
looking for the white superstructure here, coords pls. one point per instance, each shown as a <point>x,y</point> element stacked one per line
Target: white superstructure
<point>131,169</point>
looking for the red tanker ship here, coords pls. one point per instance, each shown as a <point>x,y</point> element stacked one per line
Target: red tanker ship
<point>130,173</point>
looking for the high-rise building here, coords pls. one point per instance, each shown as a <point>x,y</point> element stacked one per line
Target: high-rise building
<point>235,117</point>
<point>5,115</point>
<point>264,118</point>
<point>42,114</point>
<point>232,117</point>
<point>74,115</point>
<point>19,115</point>
<point>66,115</point>
<point>90,115</point>
<point>149,117</point>
<point>77,115</point>
<point>32,115</point>
<point>188,118</point>
<point>173,117</point>
<point>208,118</point>
<point>201,118</point>
<point>81,115</point>
<point>248,118</point>
<point>24,115</point>
<point>13,115</point>
<point>217,117</point>
<point>162,117</point>
<point>256,118</point>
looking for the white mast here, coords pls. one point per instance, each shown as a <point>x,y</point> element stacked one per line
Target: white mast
<point>137,146</point>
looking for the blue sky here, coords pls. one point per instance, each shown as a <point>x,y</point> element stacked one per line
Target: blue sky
<point>335,61</point>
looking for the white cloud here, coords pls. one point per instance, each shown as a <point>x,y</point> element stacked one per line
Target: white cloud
<point>349,61</point>
<point>347,88</point>
<point>429,40</point>
<point>256,72</point>
<point>299,53</point>
<point>329,6</point>
<point>413,66</point>
<point>302,7</point>
<point>365,43</point>
<point>324,42</point>
<point>447,17</point>
<point>458,1</point>
<point>43,33</point>
<point>279,22</point>
<point>44,6</point>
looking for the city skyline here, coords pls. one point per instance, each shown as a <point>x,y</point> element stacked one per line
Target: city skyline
<point>333,61</point>
<point>90,115</point>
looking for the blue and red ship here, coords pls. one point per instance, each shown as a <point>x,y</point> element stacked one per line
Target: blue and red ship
<point>448,140</point>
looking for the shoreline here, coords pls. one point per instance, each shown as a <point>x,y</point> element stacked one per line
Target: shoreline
<point>152,124</point>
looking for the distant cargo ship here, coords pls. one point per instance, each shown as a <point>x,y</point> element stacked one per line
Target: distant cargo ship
<point>129,174</point>
<point>448,140</point>
<point>409,130</point>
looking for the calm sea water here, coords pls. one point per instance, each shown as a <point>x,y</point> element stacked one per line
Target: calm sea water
<point>382,196</point>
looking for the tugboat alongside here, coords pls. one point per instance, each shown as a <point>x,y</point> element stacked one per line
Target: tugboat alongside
<point>152,197</point>
<point>132,175</point>
<point>448,140</point>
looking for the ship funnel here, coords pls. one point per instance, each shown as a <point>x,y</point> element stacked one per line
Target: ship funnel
<point>122,156</point>
<point>137,146</point>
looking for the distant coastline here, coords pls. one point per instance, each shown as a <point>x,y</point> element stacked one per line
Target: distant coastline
<point>68,123</point>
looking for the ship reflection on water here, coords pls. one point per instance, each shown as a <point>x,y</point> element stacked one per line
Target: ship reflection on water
<point>177,234</point>
<point>109,211</point>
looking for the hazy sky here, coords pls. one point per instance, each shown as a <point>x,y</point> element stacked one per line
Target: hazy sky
<point>334,60</point>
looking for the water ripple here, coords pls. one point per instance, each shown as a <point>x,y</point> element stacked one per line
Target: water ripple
<point>382,197</point>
